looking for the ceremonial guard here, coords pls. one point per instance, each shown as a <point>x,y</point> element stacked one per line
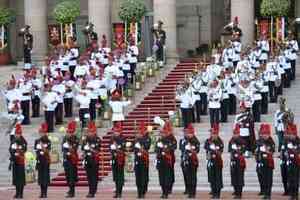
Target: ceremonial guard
<point>189,147</point>
<point>184,95</point>
<point>203,91</point>
<point>25,88</point>
<point>273,77</point>
<point>165,159</point>
<point>246,124</point>
<point>264,92</point>
<point>256,86</point>
<point>141,160</point>
<point>293,48</point>
<point>27,43</point>
<point>290,162</point>
<point>214,148</point>
<point>214,98</point>
<point>36,93</point>
<point>117,106</point>
<point>231,87</point>
<point>133,59</point>
<point>196,88</point>
<point>17,149</point>
<point>117,149</point>
<point>285,56</point>
<point>73,54</point>
<point>91,148</point>
<point>280,121</point>
<point>237,48</point>
<point>160,40</point>
<point>42,147</point>
<point>49,103</point>
<point>83,98</point>
<point>236,149</point>
<point>60,90</point>
<point>265,148</point>
<point>264,46</point>
<point>70,145</point>
<point>68,96</point>
<point>225,98</point>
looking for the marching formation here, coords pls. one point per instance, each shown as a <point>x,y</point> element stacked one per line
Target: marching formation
<point>250,78</point>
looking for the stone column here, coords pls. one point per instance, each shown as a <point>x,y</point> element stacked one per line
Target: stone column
<point>35,12</point>
<point>99,15</point>
<point>3,3</point>
<point>244,10</point>
<point>165,10</point>
<point>297,8</point>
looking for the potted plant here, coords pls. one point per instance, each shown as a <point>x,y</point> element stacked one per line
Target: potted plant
<point>30,162</point>
<point>7,16</point>
<point>54,154</point>
<point>65,13</point>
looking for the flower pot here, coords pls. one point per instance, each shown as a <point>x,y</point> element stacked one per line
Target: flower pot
<point>30,176</point>
<point>4,58</point>
<point>54,155</point>
<point>138,86</point>
<point>143,78</point>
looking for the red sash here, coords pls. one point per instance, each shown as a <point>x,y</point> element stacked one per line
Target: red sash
<point>120,158</point>
<point>168,157</point>
<point>20,158</point>
<point>74,158</point>
<point>194,159</point>
<point>242,162</point>
<point>145,158</point>
<point>270,161</point>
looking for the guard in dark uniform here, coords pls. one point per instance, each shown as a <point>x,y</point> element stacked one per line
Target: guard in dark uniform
<point>290,162</point>
<point>42,147</point>
<point>36,93</point>
<point>27,43</point>
<point>91,148</point>
<point>165,159</point>
<point>141,160</point>
<point>17,149</point>
<point>236,148</point>
<point>189,147</point>
<point>160,40</point>
<point>265,148</point>
<point>214,147</point>
<point>117,149</point>
<point>70,158</point>
<point>246,123</point>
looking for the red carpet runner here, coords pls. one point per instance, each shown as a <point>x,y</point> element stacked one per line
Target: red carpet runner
<point>157,103</point>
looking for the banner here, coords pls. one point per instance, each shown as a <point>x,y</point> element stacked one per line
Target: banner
<point>133,29</point>
<point>280,26</point>
<point>264,27</point>
<point>60,34</point>
<point>119,35</point>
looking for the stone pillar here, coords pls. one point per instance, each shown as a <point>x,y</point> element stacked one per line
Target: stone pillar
<point>165,10</point>
<point>35,12</point>
<point>297,8</point>
<point>244,10</point>
<point>99,15</point>
<point>3,3</point>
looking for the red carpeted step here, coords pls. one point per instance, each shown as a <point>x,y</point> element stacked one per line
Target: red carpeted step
<point>153,103</point>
